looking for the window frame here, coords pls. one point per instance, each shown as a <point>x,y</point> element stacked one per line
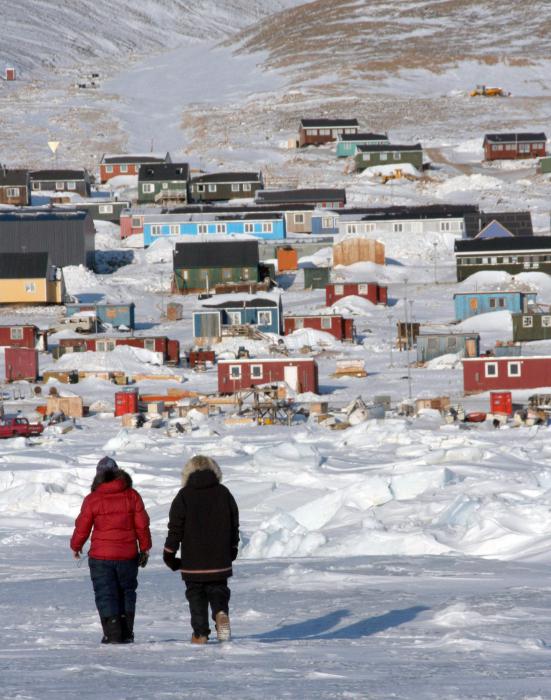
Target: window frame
<point>487,373</point>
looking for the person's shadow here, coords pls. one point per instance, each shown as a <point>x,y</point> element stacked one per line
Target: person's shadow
<point>323,627</point>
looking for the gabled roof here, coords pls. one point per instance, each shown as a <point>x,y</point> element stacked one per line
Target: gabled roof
<point>494,230</point>
<point>510,244</point>
<point>334,123</point>
<point>23,265</point>
<point>302,195</point>
<point>13,178</point>
<point>55,174</point>
<point>519,223</point>
<point>256,303</point>
<point>521,137</point>
<point>390,147</point>
<point>228,177</point>
<point>135,158</point>
<point>360,136</point>
<point>151,172</point>
<point>205,254</point>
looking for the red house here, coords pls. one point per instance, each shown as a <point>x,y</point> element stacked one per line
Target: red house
<point>497,373</point>
<point>170,349</point>
<point>126,164</point>
<point>23,337</point>
<point>131,221</point>
<point>301,374</point>
<point>339,327</point>
<point>319,131</point>
<point>371,291</point>
<point>511,146</point>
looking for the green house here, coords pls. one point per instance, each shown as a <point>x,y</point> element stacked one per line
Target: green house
<point>200,265</point>
<point>535,324</point>
<point>389,154</point>
<point>347,143</point>
<point>163,183</point>
<point>316,277</point>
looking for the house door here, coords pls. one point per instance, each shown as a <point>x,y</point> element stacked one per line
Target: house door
<point>470,347</point>
<point>290,375</point>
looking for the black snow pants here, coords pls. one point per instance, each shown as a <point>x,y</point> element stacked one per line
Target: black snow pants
<point>201,594</point>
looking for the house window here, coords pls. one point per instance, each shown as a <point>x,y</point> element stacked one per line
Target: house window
<point>493,303</point>
<point>432,344</point>
<point>164,185</point>
<point>71,185</point>
<point>328,222</point>
<point>235,187</point>
<point>234,318</point>
<point>235,372</point>
<point>30,287</point>
<point>384,156</point>
<point>397,155</point>
<point>156,230</point>
<point>248,228</point>
<point>220,228</point>
<point>267,228</point>
<point>299,218</point>
<point>200,188</point>
<point>513,369</point>
<point>398,228</point>
<point>149,344</point>
<point>326,322</point>
<point>226,273</point>
<point>452,343</point>
<point>36,185</point>
<point>339,289</point>
<point>174,229</point>
<point>123,167</point>
<point>490,369</point>
<point>325,132</point>
<point>264,318</point>
<point>445,226</point>
<point>546,321</point>
<point>256,371</point>
<point>299,323</point>
<point>148,188</point>
<point>527,321</point>
<point>105,345</point>
<point>16,333</point>
<point>108,168</point>
<point>501,302</point>
<point>202,228</point>
<point>106,209</point>
<point>351,228</point>
<point>362,289</point>
<point>366,156</point>
<point>245,273</point>
<point>12,191</point>
<point>212,188</point>
<point>60,186</point>
<point>246,187</point>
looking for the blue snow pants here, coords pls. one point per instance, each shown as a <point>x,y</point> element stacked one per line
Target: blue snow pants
<point>115,583</point>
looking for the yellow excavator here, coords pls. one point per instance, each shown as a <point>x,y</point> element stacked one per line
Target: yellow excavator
<point>486,91</point>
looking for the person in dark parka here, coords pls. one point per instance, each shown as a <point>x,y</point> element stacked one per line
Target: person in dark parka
<point>204,524</point>
<point>115,515</point>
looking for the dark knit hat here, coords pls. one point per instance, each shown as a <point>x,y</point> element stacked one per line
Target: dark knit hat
<point>106,464</point>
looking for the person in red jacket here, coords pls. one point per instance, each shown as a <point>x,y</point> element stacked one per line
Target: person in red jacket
<point>115,515</point>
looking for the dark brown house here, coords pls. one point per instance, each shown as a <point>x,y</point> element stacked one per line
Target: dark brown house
<point>77,181</point>
<point>221,186</point>
<point>14,187</point>
<point>317,131</point>
<point>513,146</point>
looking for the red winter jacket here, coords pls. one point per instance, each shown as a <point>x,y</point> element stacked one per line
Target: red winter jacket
<point>115,514</point>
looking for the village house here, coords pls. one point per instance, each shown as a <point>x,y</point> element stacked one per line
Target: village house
<point>299,373</point>
<point>200,265</point>
<point>388,154</point>
<point>513,146</point>
<point>101,209</point>
<point>23,336</point>
<point>532,324</point>
<point>512,254</point>
<point>14,187</point>
<point>163,183</point>
<point>230,316</point>
<point>67,235</point>
<point>373,292</point>
<point>113,165</point>
<point>505,373</point>
<point>518,223</point>
<point>56,180</point>
<point>347,144</point>
<point>336,325</point>
<point>30,278</point>
<point>469,304</point>
<point>223,186</point>
<point>315,132</point>
<point>166,347</point>
<point>435,344</point>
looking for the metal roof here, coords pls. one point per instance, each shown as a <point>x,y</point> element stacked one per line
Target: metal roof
<point>308,123</point>
<point>228,177</point>
<point>383,147</point>
<point>494,245</point>
<point>258,303</point>
<point>10,178</point>
<point>515,138</point>
<point>205,254</point>
<point>151,172</point>
<point>360,136</point>
<point>519,223</point>
<point>135,158</point>
<point>37,214</point>
<point>301,195</point>
<point>54,175</point>
<point>23,265</point>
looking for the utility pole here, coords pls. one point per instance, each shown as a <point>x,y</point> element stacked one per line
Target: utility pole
<point>435,244</point>
<point>390,328</point>
<point>407,337</point>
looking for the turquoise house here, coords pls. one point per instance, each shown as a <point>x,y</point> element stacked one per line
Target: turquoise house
<point>347,143</point>
<point>468,304</point>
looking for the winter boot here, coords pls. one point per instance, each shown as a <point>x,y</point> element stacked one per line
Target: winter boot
<point>198,639</point>
<point>112,629</point>
<point>127,627</point>
<point>223,630</point>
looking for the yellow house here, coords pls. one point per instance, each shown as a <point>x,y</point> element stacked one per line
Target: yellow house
<point>28,278</point>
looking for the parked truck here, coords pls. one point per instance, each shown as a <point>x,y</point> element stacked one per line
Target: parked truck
<point>19,426</point>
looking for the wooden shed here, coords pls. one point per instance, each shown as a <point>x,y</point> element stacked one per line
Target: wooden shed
<point>371,291</point>
<point>432,345</point>
<point>23,336</point>
<point>300,374</point>
<point>358,249</point>
<point>316,277</point>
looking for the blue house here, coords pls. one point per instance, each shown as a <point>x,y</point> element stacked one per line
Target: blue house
<point>263,225</point>
<point>262,313</point>
<point>325,222</point>
<point>115,315</point>
<point>468,304</point>
<point>347,143</point>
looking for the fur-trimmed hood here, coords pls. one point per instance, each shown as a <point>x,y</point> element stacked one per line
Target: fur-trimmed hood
<point>105,476</point>
<point>200,463</point>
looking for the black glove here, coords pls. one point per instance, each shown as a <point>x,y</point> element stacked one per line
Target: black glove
<point>171,560</point>
<point>142,559</point>
<point>234,553</point>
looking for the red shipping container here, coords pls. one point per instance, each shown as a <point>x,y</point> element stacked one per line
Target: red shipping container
<point>21,363</point>
<point>501,402</point>
<point>126,401</point>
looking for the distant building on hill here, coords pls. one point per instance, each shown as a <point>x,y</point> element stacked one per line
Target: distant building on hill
<point>514,146</point>
<point>315,132</point>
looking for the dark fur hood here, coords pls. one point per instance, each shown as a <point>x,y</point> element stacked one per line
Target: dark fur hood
<point>106,476</point>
